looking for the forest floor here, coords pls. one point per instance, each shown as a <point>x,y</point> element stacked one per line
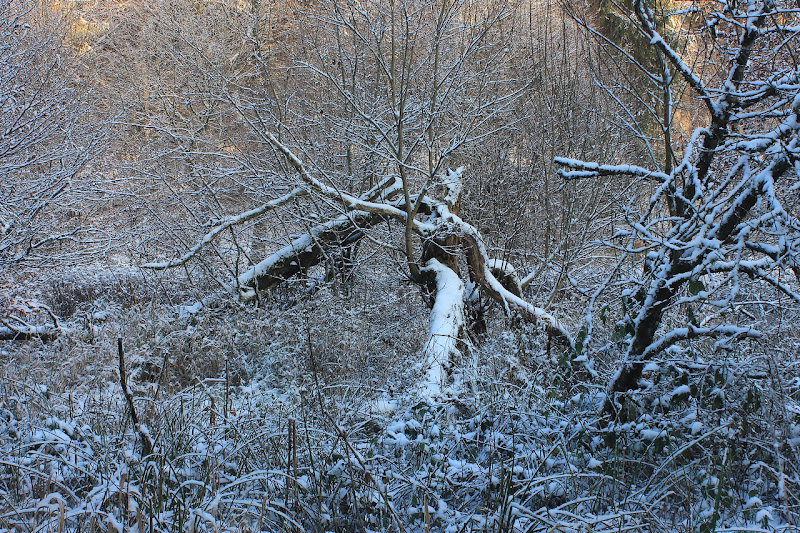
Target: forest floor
<point>306,414</point>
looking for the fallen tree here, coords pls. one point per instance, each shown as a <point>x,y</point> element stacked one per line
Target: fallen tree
<point>444,238</point>
<point>413,88</point>
<point>14,328</point>
<point>10,332</point>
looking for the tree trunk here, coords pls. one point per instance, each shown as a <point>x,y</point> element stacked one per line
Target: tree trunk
<point>44,333</point>
<point>306,251</point>
<point>445,325</point>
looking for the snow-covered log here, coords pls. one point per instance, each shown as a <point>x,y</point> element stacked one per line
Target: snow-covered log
<point>445,325</point>
<point>306,251</point>
<point>26,333</point>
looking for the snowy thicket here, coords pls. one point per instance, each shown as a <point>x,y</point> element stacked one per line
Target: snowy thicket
<point>45,142</point>
<point>510,449</point>
<point>418,265</point>
<point>723,211</point>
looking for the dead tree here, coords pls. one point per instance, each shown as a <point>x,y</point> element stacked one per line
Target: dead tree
<point>400,89</point>
<point>435,224</point>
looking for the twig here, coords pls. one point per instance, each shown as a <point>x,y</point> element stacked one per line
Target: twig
<point>147,443</point>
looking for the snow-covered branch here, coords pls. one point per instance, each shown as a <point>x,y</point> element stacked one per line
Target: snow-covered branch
<point>645,17</point>
<point>225,224</point>
<point>348,200</point>
<point>693,332</point>
<point>481,269</point>
<point>584,169</point>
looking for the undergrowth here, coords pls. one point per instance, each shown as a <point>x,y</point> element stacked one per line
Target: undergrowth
<point>282,419</point>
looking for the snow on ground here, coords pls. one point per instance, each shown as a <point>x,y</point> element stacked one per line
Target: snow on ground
<point>516,445</point>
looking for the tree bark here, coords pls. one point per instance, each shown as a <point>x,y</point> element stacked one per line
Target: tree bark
<point>307,251</point>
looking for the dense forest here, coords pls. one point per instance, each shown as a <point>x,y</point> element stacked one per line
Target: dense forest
<point>400,265</point>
